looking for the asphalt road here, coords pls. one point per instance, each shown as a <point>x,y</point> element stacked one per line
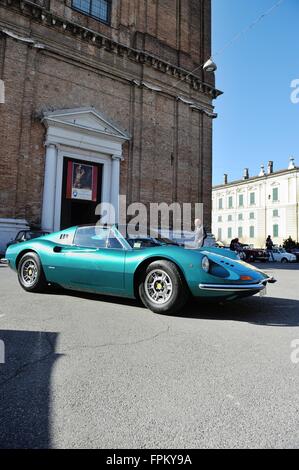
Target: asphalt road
<point>93,372</point>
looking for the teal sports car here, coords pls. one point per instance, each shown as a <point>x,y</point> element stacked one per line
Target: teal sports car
<point>106,260</point>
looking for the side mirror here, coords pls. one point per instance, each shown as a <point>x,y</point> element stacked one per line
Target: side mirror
<point>57,249</point>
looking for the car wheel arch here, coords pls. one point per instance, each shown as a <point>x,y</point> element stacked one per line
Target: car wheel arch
<point>22,253</point>
<point>143,265</point>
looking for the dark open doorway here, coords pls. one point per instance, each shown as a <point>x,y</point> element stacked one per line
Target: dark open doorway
<point>78,205</point>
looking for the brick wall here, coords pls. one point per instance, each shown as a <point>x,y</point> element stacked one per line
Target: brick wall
<point>169,156</point>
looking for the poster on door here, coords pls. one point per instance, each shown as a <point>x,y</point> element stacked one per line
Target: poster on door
<point>81,181</point>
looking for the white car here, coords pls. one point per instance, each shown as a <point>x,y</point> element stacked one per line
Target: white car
<point>281,255</point>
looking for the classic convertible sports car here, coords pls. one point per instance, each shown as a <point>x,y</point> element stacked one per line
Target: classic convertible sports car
<point>106,260</point>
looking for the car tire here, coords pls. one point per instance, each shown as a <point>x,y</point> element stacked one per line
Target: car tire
<point>31,274</point>
<point>162,288</point>
<point>284,260</point>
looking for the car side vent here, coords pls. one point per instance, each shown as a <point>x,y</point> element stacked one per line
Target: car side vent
<point>218,271</point>
<point>228,264</point>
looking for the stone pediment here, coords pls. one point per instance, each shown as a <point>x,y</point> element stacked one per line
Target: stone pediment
<point>85,119</point>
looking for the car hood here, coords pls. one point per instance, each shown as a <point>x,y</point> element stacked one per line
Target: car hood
<point>235,266</point>
<point>226,259</point>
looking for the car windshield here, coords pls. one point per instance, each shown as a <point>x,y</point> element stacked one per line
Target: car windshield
<point>144,241</point>
<point>30,235</point>
<point>141,239</point>
<point>20,236</point>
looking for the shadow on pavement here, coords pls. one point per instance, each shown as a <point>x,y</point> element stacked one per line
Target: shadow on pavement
<point>276,266</point>
<point>96,297</point>
<point>267,311</point>
<point>259,310</point>
<point>25,388</point>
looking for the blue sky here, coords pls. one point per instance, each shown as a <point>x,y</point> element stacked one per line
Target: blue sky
<point>256,120</point>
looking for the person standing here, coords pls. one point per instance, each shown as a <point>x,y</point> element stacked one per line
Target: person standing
<point>200,234</point>
<point>269,247</point>
<point>237,247</point>
<point>233,245</point>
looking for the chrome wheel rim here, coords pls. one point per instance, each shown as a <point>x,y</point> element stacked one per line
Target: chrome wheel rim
<point>158,286</point>
<point>29,272</point>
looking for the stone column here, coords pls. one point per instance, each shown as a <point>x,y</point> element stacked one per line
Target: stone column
<point>115,176</point>
<point>49,188</point>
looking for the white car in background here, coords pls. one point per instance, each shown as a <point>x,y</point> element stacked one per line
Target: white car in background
<point>282,256</point>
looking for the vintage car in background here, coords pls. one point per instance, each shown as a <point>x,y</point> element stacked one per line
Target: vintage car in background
<point>254,254</point>
<point>109,260</point>
<point>25,235</point>
<point>248,253</point>
<point>294,251</point>
<point>282,256</point>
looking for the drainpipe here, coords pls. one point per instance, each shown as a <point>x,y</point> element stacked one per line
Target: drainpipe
<point>297,208</point>
<point>266,199</point>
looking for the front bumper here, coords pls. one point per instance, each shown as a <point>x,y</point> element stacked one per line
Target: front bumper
<point>4,261</point>
<point>238,287</point>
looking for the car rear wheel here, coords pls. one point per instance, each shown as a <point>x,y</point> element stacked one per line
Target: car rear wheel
<point>162,289</point>
<point>30,273</point>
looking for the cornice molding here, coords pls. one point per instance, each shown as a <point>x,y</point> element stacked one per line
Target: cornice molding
<point>258,180</point>
<point>64,25</point>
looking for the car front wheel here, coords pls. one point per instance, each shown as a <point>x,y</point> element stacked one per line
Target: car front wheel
<point>284,260</point>
<point>162,288</point>
<point>30,273</point>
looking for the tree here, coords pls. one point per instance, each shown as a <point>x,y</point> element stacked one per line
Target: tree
<point>289,244</point>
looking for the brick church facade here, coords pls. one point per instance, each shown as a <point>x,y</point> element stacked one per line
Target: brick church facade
<point>105,88</point>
